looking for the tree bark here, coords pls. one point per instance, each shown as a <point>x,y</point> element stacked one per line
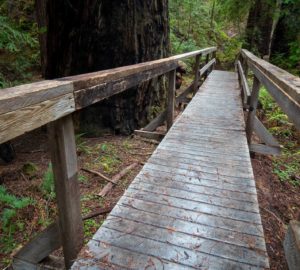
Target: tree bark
<point>90,35</point>
<point>260,27</point>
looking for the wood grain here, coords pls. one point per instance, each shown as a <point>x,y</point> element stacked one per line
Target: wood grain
<point>18,122</point>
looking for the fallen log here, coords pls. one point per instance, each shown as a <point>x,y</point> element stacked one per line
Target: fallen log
<point>115,179</point>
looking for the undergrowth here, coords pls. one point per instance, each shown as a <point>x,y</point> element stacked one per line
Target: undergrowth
<point>287,165</point>
<point>11,221</point>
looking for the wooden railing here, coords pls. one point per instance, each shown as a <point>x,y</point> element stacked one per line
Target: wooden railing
<point>283,87</point>
<point>52,102</point>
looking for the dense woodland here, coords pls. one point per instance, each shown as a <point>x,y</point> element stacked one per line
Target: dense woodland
<point>98,35</point>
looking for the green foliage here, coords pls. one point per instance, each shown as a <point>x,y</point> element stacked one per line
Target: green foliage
<point>47,185</point>
<point>11,205</point>
<point>290,60</point>
<point>81,144</point>
<point>19,47</point>
<point>30,169</point>
<point>109,159</point>
<point>287,168</point>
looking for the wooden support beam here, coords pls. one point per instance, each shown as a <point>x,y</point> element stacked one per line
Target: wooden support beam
<point>150,135</point>
<point>206,67</point>
<point>156,122</point>
<point>291,245</point>
<point>196,81</point>
<point>289,104</point>
<point>64,162</point>
<point>264,149</point>
<point>264,134</point>
<point>39,247</point>
<point>244,84</point>
<point>188,90</point>
<point>171,98</point>
<point>252,108</point>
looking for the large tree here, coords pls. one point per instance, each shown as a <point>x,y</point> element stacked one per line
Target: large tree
<point>261,24</point>
<point>90,35</point>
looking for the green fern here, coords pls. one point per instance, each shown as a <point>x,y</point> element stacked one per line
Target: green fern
<point>47,185</point>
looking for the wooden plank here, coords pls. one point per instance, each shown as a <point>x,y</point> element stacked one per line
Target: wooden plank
<point>197,207</point>
<point>18,122</point>
<point>264,134</point>
<point>41,246</point>
<point>150,135</point>
<point>277,76</point>
<point>196,72</point>
<point>206,67</point>
<point>188,228</point>
<point>16,98</point>
<point>171,98</point>
<point>183,256</point>
<point>193,243</point>
<point>64,162</point>
<point>193,196</point>
<point>193,217</point>
<point>289,104</point>
<point>252,108</point>
<point>183,95</point>
<point>101,255</point>
<point>156,122</point>
<point>244,84</point>
<point>199,186</point>
<point>96,78</point>
<point>93,94</point>
<point>265,149</point>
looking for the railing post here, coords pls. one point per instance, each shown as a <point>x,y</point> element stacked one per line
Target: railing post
<point>252,108</point>
<point>171,98</point>
<point>197,64</point>
<point>64,163</point>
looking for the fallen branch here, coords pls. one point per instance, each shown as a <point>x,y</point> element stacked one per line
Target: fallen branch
<point>115,179</point>
<point>274,215</point>
<point>100,175</point>
<point>98,212</point>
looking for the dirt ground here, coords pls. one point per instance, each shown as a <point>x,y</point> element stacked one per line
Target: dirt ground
<point>279,201</point>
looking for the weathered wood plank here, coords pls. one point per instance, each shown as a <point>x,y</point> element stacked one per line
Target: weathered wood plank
<point>15,98</point>
<point>265,149</point>
<point>193,217</point>
<point>264,134</point>
<point>193,243</point>
<point>93,94</point>
<point>41,246</point>
<point>244,84</point>
<point>186,227</point>
<point>150,135</point>
<point>156,122</point>
<point>286,81</point>
<point>289,104</point>
<point>64,162</point>
<point>203,70</point>
<point>252,108</point>
<point>18,122</point>
<point>171,98</point>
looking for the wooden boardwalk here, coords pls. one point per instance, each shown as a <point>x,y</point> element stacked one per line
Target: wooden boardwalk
<point>194,204</point>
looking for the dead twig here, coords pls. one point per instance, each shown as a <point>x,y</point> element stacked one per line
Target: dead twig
<point>116,178</point>
<point>99,174</point>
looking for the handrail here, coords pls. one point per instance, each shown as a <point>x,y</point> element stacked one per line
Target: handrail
<point>283,86</point>
<point>26,107</point>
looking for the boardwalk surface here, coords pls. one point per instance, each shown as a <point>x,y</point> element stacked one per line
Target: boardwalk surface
<point>194,204</point>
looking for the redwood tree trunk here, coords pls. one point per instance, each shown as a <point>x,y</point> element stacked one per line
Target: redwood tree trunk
<point>259,29</point>
<point>91,35</point>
